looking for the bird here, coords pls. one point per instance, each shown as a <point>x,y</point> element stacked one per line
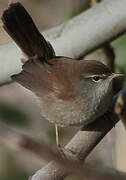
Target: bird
<point>70,92</point>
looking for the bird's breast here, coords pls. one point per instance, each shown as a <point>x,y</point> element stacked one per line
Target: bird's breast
<point>69,113</point>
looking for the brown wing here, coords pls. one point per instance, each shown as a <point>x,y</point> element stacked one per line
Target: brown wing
<point>44,79</point>
<point>20,26</point>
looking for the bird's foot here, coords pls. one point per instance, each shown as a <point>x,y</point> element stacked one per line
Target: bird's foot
<point>61,151</point>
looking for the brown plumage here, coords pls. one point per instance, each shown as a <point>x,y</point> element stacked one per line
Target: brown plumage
<point>55,74</point>
<point>71,92</point>
<point>44,79</point>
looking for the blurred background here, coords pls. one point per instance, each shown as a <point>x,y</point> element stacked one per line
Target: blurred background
<point>19,109</point>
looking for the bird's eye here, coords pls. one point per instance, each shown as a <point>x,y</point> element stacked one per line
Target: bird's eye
<point>96,78</point>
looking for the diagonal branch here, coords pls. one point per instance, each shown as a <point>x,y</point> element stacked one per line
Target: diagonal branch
<point>42,150</point>
<point>79,36</point>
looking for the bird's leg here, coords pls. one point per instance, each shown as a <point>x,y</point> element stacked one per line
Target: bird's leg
<point>57,142</point>
<point>57,137</point>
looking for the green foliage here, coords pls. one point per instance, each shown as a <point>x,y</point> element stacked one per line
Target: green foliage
<point>120,64</point>
<point>119,46</point>
<point>99,0</point>
<point>12,115</point>
<point>20,176</point>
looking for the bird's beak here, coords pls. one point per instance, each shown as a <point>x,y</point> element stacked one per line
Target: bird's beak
<point>116,75</point>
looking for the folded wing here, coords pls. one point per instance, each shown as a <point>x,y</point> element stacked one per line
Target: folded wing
<point>45,79</point>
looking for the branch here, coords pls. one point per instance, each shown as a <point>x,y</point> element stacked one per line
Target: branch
<point>79,36</point>
<point>82,143</point>
<point>39,148</point>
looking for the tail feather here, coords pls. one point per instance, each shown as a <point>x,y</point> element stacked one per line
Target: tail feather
<point>20,26</point>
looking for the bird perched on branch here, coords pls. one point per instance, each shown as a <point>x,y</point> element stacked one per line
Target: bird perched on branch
<point>70,92</point>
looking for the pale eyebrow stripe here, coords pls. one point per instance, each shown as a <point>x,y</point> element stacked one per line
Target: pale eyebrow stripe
<point>92,75</point>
